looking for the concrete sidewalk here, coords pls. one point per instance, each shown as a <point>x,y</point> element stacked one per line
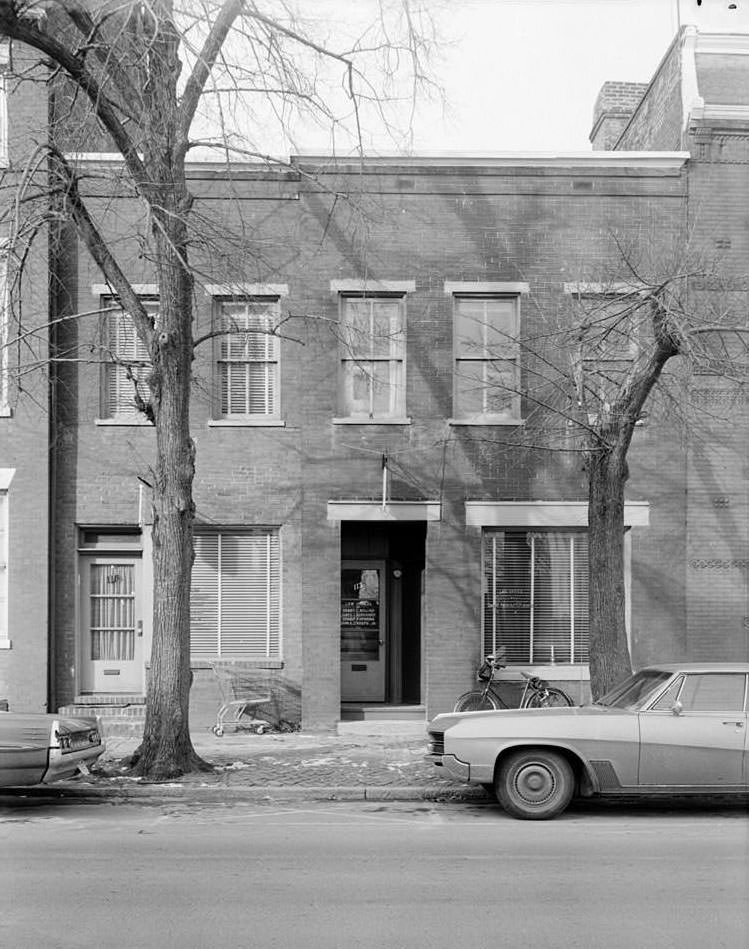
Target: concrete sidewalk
<point>278,766</point>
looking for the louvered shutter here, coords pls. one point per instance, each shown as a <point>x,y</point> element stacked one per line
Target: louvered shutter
<point>507,605</point>
<point>204,599</point>
<point>126,347</point>
<point>249,357</point>
<point>3,565</point>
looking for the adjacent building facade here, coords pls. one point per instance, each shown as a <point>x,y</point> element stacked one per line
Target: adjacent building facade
<point>381,496</point>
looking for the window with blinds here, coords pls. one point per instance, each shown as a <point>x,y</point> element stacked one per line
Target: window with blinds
<point>128,362</point>
<point>248,360</point>
<point>536,595</point>
<point>3,565</point>
<point>373,350</point>
<point>236,595</point>
<point>487,364</point>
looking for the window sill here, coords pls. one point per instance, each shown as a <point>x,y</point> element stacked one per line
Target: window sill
<point>486,420</point>
<point>355,420</point>
<point>247,422</point>
<point>6,644</point>
<point>6,411</point>
<point>239,663</point>
<point>559,672</point>
<point>124,422</point>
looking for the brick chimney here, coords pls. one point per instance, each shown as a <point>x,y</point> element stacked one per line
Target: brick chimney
<point>614,107</point>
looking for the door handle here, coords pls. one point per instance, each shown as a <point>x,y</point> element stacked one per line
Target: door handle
<point>737,724</point>
<point>139,627</point>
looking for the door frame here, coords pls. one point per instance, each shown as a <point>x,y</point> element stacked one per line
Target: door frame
<point>85,679</point>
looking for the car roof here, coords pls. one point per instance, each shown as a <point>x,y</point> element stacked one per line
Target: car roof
<point>699,667</point>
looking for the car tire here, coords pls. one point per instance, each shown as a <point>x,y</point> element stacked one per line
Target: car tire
<point>534,784</point>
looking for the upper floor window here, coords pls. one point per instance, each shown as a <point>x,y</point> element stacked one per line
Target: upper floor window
<point>126,362</point>
<point>4,336</point>
<point>607,323</point>
<point>248,358</point>
<point>373,356</point>
<point>486,330</point>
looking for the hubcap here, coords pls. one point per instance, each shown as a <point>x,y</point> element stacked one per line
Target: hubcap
<point>535,783</point>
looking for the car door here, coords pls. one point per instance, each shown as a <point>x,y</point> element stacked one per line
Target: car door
<point>695,735</point>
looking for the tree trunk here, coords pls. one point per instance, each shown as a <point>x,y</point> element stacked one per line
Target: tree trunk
<point>609,652</point>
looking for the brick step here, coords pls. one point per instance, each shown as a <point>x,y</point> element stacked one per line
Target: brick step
<point>115,721</point>
<point>110,698</point>
<point>360,711</point>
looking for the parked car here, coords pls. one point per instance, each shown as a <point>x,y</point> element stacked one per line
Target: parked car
<point>673,729</point>
<point>37,749</point>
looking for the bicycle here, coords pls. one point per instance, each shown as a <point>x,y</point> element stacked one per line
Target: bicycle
<point>537,692</point>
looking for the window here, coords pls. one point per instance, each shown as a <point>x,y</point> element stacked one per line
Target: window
<point>714,692</point>
<point>607,325</point>
<point>536,595</point>
<point>4,336</point>
<point>373,349</point>
<point>4,642</point>
<point>128,363</point>
<point>248,360</point>
<point>487,364</point>
<point>236,595</point>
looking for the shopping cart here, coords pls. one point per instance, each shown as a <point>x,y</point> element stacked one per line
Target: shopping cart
<point>240,700</point>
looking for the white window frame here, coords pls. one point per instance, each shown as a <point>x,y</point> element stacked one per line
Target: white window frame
<point>387,292</point>
<point>539,653</point>
<point>270,359</point>
<point>204,629</point>
<point>486,291</point>
<point>4,336</point>
<point>6,476</point>
<point>109,305</point>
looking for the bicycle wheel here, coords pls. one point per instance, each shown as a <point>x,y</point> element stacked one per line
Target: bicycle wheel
<point>476,701</point>
<point>548,698</point>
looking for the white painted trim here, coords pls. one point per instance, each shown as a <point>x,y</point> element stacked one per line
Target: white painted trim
<point>140,289</point>
<point>458,287</point>
<point>247,289</point>
<point>559,672</point>
<point>486,420</point>
<point>372,286</point>
<point>6,644</point>
<point>738,113</point>
<point>545,513</point>
<point>357,420</point>
<point>393,511</point>
<point>671,161</point>
<point>734,44</point>
<point>691,101</point>
<point>6,476</point>
<point>265,421</point>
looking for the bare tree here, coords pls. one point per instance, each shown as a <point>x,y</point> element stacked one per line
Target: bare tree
<point>627,345</point>
<point>152,80</point>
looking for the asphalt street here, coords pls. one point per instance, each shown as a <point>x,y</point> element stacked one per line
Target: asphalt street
<point>371,875</point>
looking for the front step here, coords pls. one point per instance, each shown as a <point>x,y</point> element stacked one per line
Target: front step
<point>393,721</point>
<point>120,716</point>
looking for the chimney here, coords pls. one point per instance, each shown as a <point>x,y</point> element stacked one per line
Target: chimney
<point>615,106</point>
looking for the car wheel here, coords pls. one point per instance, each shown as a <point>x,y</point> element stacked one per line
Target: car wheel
<point>534,785</point>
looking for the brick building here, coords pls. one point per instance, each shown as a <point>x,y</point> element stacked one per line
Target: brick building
<point>372,514</point>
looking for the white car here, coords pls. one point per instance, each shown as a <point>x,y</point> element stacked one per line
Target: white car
<point>37,749</point>
<point>672,728</point>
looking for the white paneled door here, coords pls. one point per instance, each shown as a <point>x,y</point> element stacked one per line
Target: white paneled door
<point>111,625</point>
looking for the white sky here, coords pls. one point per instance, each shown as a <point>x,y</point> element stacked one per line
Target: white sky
<point>524,74</point>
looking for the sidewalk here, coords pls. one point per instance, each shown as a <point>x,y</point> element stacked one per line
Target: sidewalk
<point>294,766</point>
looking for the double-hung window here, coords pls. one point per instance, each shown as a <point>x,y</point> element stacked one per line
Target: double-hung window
<point>236,595</point>
<point>536,595</point>
<point>248,358</point>
<point>127,362</point>
<point>4,336</point>
<point>373,356</point>
<point>486,332</point>
<point>4,641</point>
<point>607,323</point>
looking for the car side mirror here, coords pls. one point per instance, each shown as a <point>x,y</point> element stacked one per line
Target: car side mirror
<point>676,708</point>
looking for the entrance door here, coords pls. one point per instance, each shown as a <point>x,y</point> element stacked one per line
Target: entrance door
<point>111,625</point>
<point>363,631</point>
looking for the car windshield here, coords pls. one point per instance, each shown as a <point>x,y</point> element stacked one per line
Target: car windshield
<point>634,691</point>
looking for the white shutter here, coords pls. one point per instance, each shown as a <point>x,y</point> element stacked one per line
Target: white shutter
<point>204,603</point>
<point>507,601</point>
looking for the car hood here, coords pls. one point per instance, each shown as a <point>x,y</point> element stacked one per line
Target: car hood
<point>527,717</point>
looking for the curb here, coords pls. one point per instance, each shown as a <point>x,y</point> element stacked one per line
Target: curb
<point>154,793</point>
